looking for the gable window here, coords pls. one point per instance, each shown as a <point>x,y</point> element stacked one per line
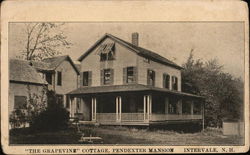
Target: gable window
<point>59,78</point>
<point>174,83</point>
<point>166,80</point>
<point>107,76</point>
<point>151,77</point>
<point>48,77</point>
<point>107,51</point>
<point>20,102</point>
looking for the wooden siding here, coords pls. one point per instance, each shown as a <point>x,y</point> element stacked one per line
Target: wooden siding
<point>69,78</point>
<point>123,58</point>
<point>159,69</point>
<point>18,89</point>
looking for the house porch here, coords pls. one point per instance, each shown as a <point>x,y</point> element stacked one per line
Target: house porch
<point>135,108</point>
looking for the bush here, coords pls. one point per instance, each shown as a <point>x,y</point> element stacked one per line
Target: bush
<point>54,118</point>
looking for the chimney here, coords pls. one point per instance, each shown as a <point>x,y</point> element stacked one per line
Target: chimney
<point>135,38</point>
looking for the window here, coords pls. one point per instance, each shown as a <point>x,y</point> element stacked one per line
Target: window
<point>107,51</point>
<point>59,99</point>
<point>166,80</point>
<point>174,83</point>
<point>48,77</point>
<point>59,78</point>
<point>146,60</point>
<point>20,102</point>
<point>130,74</point>
<point>151,77</point>
<point>67,101</point>
<point>107,76</point>
<point>197,108</point>
<point>85,78</point>
<point>172,108</point>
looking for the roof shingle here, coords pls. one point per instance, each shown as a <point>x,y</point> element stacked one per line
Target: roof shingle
<point>21,71</point>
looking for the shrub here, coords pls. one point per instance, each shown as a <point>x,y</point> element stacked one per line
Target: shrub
<point>54,118</point>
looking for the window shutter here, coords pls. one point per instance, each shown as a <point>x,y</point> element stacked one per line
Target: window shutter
<point>102,76</point>
<point>176,83</point>
<point>81,79</point>
<point>148,79</point>
<point>153,78</point>
<point>163,81</point>
<point>135,74</point>
<point>125,75</point>
<point>111,76</point>
<point>90,78</point>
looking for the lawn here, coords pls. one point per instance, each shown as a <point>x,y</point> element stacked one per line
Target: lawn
<point>125,135</point>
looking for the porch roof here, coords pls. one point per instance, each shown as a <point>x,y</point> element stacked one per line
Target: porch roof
<point>127,88</point>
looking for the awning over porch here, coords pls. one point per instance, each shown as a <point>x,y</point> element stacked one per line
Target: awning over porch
<point>127,88</point>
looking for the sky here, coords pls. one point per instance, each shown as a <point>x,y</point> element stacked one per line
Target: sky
<point>223,41</point>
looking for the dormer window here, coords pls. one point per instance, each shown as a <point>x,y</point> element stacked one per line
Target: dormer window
<point>107,51</point>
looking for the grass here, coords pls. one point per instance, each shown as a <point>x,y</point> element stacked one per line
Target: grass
<point>23,136</point>
<point>126,135</point>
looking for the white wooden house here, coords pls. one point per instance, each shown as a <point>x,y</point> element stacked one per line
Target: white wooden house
<point>122,83</point>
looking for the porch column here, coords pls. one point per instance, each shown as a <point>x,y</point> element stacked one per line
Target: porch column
<point>118,102</point>
<point>70,108</point>
<point>93,108</point>
<point>120,107</point>
<point>192,108</point>
<point>144,107</point>
<point>203,115</point>
<point>166,105</point>
<point>75,106</point>
<point>149,106</point>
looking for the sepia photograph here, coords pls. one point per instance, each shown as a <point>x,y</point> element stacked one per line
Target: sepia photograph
<point>116,85</point>
<point>77,83</point>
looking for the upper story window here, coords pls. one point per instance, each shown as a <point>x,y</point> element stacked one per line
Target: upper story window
<point>151,77</point>
<point>107,51</point>
<point>166,81</point>
<point>86,78</point>
<point>59,78</point>
<point>48,77</point>
<point>129,75</point>
<point>146,60</point>
<point>174,83</point>
<point>107,76</point>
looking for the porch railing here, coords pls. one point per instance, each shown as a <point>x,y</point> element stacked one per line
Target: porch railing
<point>161,117</point>
<point>110,117</point>
<point>132,117</point>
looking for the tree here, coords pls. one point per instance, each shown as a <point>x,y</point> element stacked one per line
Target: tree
<point>43,40</point>
<point>223,98</point>
<point>54,118</point>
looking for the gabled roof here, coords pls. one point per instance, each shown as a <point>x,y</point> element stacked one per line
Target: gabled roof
<point>50,64</point>
<point>127,88</point>
<point>139,50</point>
<point>21,71</point>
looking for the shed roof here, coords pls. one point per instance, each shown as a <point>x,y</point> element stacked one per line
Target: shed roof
<point>21,71</point>
<point>139,50</point>
<point>126,88</point>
